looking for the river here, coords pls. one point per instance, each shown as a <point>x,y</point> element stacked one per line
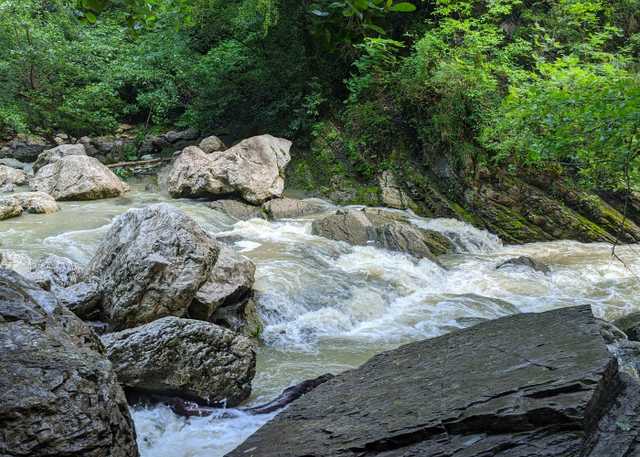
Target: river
<point>328,307</point>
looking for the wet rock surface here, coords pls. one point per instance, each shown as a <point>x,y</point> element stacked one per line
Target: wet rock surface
<point>237,209</point>
<point>524,385</point>
<point>58,392</point>
<point>289,208</point>
<point>252,170</point>
<point>630,324</point>
<point>36,202</point>
<point>78,177</point>
<point>195,359</point>
<point>524,262</point>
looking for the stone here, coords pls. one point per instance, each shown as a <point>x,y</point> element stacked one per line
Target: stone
<point>392,194</point>
<point>229,283</point>
<point>193,359</point>
<point>150,264</point>
<point>253,170</point>
<point>289,208</point>
<point>401,237</point>
<point>212,144</point>
<point>524,385</point>
<point>350,226</point>
<point>16,261</point>
<point>82,298</point>
<point>58,393</point>
<point>630,324</point>
<point>24,148</point>
<point>54,270</point>
<point>524,261</point>
<point>237,209</point>
<point>9,207</point>
<point>36,202</point>
<point>78,177</point>
<point>53,155</point>
<point>12,176</point>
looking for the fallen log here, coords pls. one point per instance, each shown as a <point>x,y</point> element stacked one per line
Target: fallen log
<point>188,408</point>
<point>139,162</point>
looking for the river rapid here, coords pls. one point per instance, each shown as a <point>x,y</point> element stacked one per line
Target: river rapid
<point>328,306</point>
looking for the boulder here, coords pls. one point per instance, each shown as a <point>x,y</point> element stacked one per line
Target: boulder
<point>78,177</point>
<point>524,385</point>
<point>109,149</point>
<point>253,170</point>
<point>230,283</point>
<point>10,177</point>
<point>383,229</point>
<point>630,325</point>
<point>193,359</point>
<point>237,209</point>
<point>212,144</point>
<point>150,264</point>
<point>53,155</point>
<point>24,148</point>
<point>58,393</point>
<point>9,207</point>
<point>36,202</point>
<point>526,262</point>
<point>289,208</point>
<point>55,271</point>
<point>175,140</point>
<point>82,298</point>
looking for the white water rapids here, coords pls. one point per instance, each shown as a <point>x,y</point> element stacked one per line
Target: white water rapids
<point>328,306</point>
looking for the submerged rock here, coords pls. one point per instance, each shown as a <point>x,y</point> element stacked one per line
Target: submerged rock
<point>253,170</point>
<point>524,261</point>
<point>383,229</point>
<point>78,177</point>
<point>189,358</point>
<point>529,384</point>
<point>289,208</point>
<point>58,393</point>
<point>55,154</point>
<point>237,209</point>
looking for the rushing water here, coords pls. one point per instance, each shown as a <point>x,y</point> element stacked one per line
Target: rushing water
<point>328,306</point>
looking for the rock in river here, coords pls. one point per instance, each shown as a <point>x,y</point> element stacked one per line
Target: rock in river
<point>78,177</point>
<point>10,177</point>
<point>253,170</point>
<point>54,154</point>
<point>184,357</point>
<point>525,385</point>
<point>157,261</point>
<point>58,392</point>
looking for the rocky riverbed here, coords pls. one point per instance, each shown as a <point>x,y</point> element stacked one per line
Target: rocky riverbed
<point>331,287</point>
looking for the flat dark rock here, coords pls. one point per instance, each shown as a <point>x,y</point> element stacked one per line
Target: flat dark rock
<point>524,385</point>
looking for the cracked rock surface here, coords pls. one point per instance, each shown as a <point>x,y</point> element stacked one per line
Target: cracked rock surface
<point>525,385</point>
<point>58,393</point>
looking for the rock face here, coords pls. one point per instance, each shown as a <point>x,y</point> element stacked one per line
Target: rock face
<point>392,194</point>
<point>630,325</point>
<point>151,264</point>
<point>55,154</point>
<point>78,177</point>
<point>58,392</point>
<point>525,385</point>
<point>288,208</point>
<point>10,177</point>
<point>24,148</point>
<point>195,359</point>
<point>253,169</point>
<point>382,229</point>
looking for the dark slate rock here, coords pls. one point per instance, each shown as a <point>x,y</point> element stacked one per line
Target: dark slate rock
<point>58,393</point>
<point>630,324</point>
<point>525,385</point>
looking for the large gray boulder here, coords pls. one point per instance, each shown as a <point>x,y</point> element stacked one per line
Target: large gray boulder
<point>192,359</point>
<point>535,385</point>
<point>78,177</point>
<point>157,261</point>
<point>150,264</point>
<point>253,170</point>
<point>58,393</point>
<point>53,155</point>
<point>383,229</point>
<point>10,177</point>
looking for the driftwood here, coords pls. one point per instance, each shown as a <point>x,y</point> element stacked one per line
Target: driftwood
<point>187,408</point>
<point>139,162</point>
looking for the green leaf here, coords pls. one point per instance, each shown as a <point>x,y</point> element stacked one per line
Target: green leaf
<point>403,7</point>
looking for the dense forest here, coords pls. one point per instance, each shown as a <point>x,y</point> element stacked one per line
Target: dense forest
<point>444,92</point>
